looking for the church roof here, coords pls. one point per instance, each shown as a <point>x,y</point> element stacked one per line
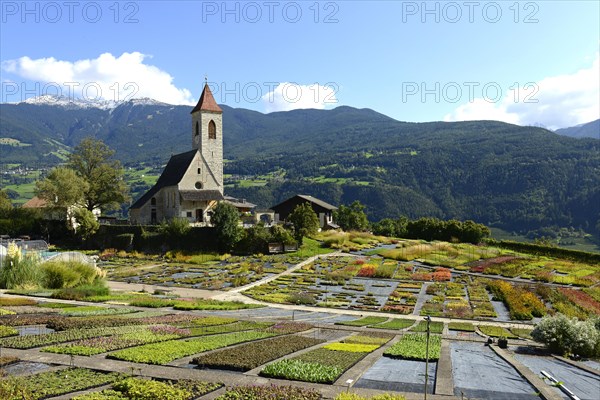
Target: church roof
<point>207,102</point>
<point>171,176</point>
<point>201,195</point>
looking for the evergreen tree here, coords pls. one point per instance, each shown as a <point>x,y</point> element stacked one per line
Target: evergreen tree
<point>226,221</point>
<point>305,221</point>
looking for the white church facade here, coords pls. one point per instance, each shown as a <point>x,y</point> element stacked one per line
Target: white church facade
<point>191,184</point>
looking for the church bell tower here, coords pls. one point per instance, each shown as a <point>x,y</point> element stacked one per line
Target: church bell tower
<point>207,133</point>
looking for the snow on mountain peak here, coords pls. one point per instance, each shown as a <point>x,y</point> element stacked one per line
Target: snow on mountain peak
<point>74,103</point>
<point>69,103</point>
<point>146,101</point>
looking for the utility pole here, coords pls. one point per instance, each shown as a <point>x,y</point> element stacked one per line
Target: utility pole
<point>428,319</point>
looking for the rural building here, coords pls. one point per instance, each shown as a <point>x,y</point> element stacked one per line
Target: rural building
<point>55,214</point>
<point>323,210</point>
<point>191,184</point>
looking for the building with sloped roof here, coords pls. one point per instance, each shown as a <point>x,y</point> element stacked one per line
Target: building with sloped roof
<point>58,214</point>
<point>323,210</point>
<point>191,185</point>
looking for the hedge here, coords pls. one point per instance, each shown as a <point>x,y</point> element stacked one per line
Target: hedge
<point>536,249</point>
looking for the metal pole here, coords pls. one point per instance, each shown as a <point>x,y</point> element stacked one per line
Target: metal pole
<point>428,319</point>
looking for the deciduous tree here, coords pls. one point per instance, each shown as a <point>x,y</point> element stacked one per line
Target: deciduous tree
<point>61,189</point>
<point>5,203</point>
<point>352,218</point>
<point>92,161</point>
<point>86,223</point>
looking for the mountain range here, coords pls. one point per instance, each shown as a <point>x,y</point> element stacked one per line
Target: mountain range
<point>515,177</point>
<point>591,130</point>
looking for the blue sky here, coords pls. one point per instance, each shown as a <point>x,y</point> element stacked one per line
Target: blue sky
<point>518,61</point>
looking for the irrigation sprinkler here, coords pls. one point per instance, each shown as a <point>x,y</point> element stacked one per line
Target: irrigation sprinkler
<point>428,319</point>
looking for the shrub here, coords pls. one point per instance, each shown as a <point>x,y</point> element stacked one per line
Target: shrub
<point>99,288</point>
<point>564,335</point>
<point>522,304</point>
<point>19,271</point>
<point>59,275</point>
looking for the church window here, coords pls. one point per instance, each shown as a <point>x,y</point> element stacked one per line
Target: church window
<point>212,130</point>
<point>199,171</point>
<point>153,201</point>
<point>197,128</point>
<point>198,185</point>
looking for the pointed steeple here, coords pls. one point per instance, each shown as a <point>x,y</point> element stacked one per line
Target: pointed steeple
<point>207,101</point>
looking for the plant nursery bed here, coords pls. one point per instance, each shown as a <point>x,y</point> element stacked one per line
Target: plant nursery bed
<point>139,388</point>
<point>251,355</point>
<point>53,383</point>
<point>479,373</point>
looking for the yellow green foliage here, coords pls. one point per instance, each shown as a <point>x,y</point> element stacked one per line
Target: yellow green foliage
<point>352,347</point>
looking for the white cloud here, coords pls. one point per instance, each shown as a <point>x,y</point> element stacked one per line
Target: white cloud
<point>292,96</point>
<point>555,102</point>
<point>106,77</point>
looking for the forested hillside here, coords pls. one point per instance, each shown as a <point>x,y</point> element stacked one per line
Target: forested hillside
<point>517,178</point>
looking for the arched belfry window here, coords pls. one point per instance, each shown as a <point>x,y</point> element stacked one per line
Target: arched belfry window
<point>197,128</point>
<point>212,130</point>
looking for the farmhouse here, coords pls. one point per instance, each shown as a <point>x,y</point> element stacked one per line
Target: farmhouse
<point>191,184</point>
<point>322,209</point>
<point>56,214</point>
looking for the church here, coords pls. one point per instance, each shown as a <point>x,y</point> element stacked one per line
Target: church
<point>191,184</point>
